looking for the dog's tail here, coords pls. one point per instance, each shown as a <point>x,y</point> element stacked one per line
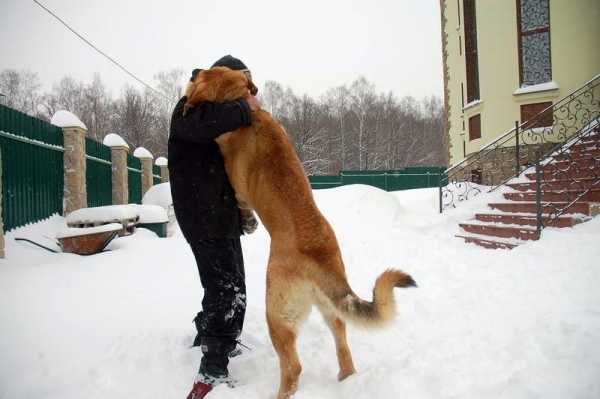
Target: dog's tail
<point>383,308</point>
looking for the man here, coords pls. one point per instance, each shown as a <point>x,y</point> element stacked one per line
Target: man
<point>207,213</point>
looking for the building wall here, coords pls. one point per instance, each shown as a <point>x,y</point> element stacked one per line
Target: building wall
<point>575,52</point>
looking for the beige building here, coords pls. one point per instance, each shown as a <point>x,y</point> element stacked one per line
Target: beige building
<point>507,60</point>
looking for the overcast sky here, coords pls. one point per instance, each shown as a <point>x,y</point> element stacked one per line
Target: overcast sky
<point>309,45</point>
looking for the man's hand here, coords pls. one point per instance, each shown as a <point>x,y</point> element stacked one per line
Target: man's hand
<point>249,222</point>
<point>253,103</point>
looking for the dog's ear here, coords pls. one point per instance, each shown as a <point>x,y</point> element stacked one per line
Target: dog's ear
<point>195,72</point>
<point>253,89</point>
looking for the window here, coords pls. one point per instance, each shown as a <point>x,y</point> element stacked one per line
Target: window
<point>475,127</point>
<point>471,51</point>
<point>533,21</point>
<point>533,114</point>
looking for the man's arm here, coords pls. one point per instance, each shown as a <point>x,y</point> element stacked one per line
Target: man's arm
<point>207,121</point>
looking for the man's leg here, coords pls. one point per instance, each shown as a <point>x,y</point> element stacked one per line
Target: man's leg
<point>221,268</point>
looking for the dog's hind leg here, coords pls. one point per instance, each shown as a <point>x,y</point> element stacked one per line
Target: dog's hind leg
<point>287,306</point>
<point>338,329</point>
<point>284,342</point>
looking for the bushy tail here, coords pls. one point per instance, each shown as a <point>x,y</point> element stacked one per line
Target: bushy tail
<point>383,308</point>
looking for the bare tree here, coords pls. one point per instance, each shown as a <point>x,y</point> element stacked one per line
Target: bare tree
<point>136,117</point>
<point>169,84</point>
<point>362,94</point>
<point>306,134</point>
<point>336,106</point>
<point>98,109</point>
<point>20,90</point>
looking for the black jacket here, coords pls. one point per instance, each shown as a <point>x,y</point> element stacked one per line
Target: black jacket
<point>203,198</point>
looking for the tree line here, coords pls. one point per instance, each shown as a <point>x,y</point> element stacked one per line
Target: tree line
<point>350,127</point>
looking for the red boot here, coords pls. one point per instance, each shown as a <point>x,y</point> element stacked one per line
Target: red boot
<point>199,391</point>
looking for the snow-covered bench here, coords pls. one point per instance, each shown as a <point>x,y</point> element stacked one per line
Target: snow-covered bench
<point>128,216</point>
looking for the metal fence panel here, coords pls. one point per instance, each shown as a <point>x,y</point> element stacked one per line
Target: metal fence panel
<point>32,168</point>
<point>134,166</point>
<point>318,182</point>
<point>98,173</point>
<point>389,180</point>
<point>156,175</point>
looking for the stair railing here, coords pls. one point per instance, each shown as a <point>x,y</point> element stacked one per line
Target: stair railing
<point>573,174</point>
<point>505,157</point>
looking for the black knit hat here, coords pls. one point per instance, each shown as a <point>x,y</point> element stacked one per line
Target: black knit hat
<point>231,63</point>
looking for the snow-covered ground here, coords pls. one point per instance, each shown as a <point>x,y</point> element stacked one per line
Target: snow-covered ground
<point>483,323</point>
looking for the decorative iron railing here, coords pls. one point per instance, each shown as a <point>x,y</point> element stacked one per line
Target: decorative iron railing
<point>570,177</point>
<point>508,155</point>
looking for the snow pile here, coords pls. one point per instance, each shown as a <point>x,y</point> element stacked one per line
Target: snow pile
<point>114,140</point>
<point>353,205</point>
<point>160,194</point>
<point>66,119</point>
<point>141,152</point>
<point>482,323</point>
<point>104,214</point>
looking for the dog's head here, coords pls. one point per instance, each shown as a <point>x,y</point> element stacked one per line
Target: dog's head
<point>218,84</point>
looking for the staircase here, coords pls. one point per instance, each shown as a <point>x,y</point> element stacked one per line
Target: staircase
<point>569,193</point>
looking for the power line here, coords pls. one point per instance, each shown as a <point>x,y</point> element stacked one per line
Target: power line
<point>98,50</point>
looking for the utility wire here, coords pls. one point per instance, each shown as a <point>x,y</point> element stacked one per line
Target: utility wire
<point>98,50</point>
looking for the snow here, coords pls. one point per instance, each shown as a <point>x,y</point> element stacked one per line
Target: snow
<point>141,152</point>
<point>107,213</point>
<point>521,323</point>
<point>114,140</point>
<point>161,161</point>
<point>536,88</point>
<point>153,214</point>
<point>76,231</point>
<point>160,194</point>
<point>66,119</point>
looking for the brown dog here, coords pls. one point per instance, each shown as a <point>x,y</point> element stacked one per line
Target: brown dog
<point>305,264</point>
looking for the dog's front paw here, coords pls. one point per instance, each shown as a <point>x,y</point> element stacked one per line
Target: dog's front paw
<point>249,224</point>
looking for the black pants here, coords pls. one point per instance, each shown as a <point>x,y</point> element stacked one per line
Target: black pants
<point>221,268</point>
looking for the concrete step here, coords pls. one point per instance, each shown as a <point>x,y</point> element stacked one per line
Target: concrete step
<point>569,174</point>
<point>592,195</point>
<point>573,165</point>
<point>527,219</point>
<point>555,184</point>
<point>585,208</point>
<point>578,156</point>
<point>500,230</point>
<point>487,242</point>
<point>589,144</point>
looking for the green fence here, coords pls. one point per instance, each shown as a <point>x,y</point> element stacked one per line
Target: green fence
<point>156,175</point>
<point>389,180</point>
<point>134,168</point>
<point>98,173</point>
<point>32,168</point>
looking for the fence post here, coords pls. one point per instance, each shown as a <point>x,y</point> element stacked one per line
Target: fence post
<point>517,149</point>
<point>120,175</point>
<point>538,195</point>
<point>75,189</point>
<point>440,188</point>
<point>164,169</point>
<point>146,160</point>
<point>1,222</point>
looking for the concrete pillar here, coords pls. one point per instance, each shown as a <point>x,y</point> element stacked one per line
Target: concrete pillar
<point>120,175</point>
<point>146,160</point>
<point>164,169</point>
<point>75,189</point>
